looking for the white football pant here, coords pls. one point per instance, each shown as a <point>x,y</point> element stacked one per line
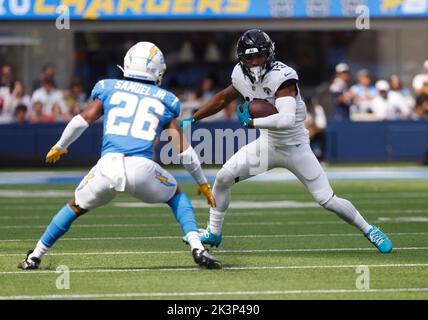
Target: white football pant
<point>142,178</point>
<point>259,157</point>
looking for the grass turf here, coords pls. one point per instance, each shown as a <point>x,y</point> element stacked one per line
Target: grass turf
<point>269,253</point>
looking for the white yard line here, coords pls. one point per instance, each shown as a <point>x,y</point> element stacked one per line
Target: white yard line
<point>254,236</point>
<point>254,203</point>
<point>403,219</point>
<point>100,253</point>
<point>151,225</point>
<point>35,194</point>
<point>142,215</point>
<point>237,204</point>
<point>55,193</point>
<point>212,293</point>
<point>156,269</point>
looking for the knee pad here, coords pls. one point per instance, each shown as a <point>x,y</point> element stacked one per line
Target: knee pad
<point>224,178</point>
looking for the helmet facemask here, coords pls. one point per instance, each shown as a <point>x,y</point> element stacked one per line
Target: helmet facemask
<point>258,71</point>
<point>256,54</point>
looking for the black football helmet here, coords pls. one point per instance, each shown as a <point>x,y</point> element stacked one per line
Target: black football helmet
<point>252,43</point>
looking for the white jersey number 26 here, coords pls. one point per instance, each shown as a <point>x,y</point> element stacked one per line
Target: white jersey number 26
<point>141,109</point>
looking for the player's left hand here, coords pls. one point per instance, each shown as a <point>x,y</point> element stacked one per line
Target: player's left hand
<point>243,116</point>
<point>185,122</point>
<point>55,154</point>
<point>205,189</point>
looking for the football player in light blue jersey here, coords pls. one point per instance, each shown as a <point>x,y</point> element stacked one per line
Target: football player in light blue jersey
<point>129,131</point>
<point>135,112</point>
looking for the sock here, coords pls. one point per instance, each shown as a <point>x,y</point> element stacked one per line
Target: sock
<point>39,251</point>
<point>216,221</point>
<point>183,212</point>
<point>221,191</point>
<point>194,241</point>
<point>59,225</point>
<point>346,210</point>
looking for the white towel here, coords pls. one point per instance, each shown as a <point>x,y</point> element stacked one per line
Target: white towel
<point>112,167</point>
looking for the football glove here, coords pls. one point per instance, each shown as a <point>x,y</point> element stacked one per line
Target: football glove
<point>55,154</point>
<point>205,189</point>
<point>185,122</point>
<point>244,115</point>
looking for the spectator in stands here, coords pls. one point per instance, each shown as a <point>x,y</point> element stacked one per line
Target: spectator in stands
<point>206,89</point>
<point>193,100</point>
<point>58,116</point>
<point>75,95</point>
<point>48,72</point>
<point>422,103</point>
<point>363,94</point>
<point>5,80</point>
<point>381,106</point>
<point>316,123</point>
<point>205,92</point>
<point>5,117</point>
<point>20,114</point>
<point>190,103</point>
<point>401,97</point>
<point>48,95</point>
<point>75,110</point>
<point>16,97</point>
<point>396,84</point>
<point>387,105</point>
<point>38,116</point>
<point>339,90</point>
<point>6,76</point>
<point>420,79</point>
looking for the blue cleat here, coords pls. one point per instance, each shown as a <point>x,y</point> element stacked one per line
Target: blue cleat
<point>379,240</point>
<point>207,237</point>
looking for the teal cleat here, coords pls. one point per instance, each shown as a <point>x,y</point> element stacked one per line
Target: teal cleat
<point>379,240</point>
<point>207,237</point>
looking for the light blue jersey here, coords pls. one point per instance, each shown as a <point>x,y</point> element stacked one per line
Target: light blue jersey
<point>134,115</point>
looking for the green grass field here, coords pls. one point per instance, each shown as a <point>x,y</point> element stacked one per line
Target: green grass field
<point>119,252</point>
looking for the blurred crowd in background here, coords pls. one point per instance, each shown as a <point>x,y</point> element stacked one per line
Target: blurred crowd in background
<point>385,99</point>
<point>45,104</point>
<point>353,97</point>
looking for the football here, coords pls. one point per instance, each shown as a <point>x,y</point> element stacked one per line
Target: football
<point>261,109</point>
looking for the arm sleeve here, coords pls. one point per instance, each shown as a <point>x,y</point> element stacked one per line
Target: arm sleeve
<point>190,161</point>
<point>284,119</point>
<point>72,131</point>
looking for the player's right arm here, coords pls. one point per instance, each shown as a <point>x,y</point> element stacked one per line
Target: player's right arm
<point>217,103</point>
<point>74,130</point>
<point>190,161</point>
